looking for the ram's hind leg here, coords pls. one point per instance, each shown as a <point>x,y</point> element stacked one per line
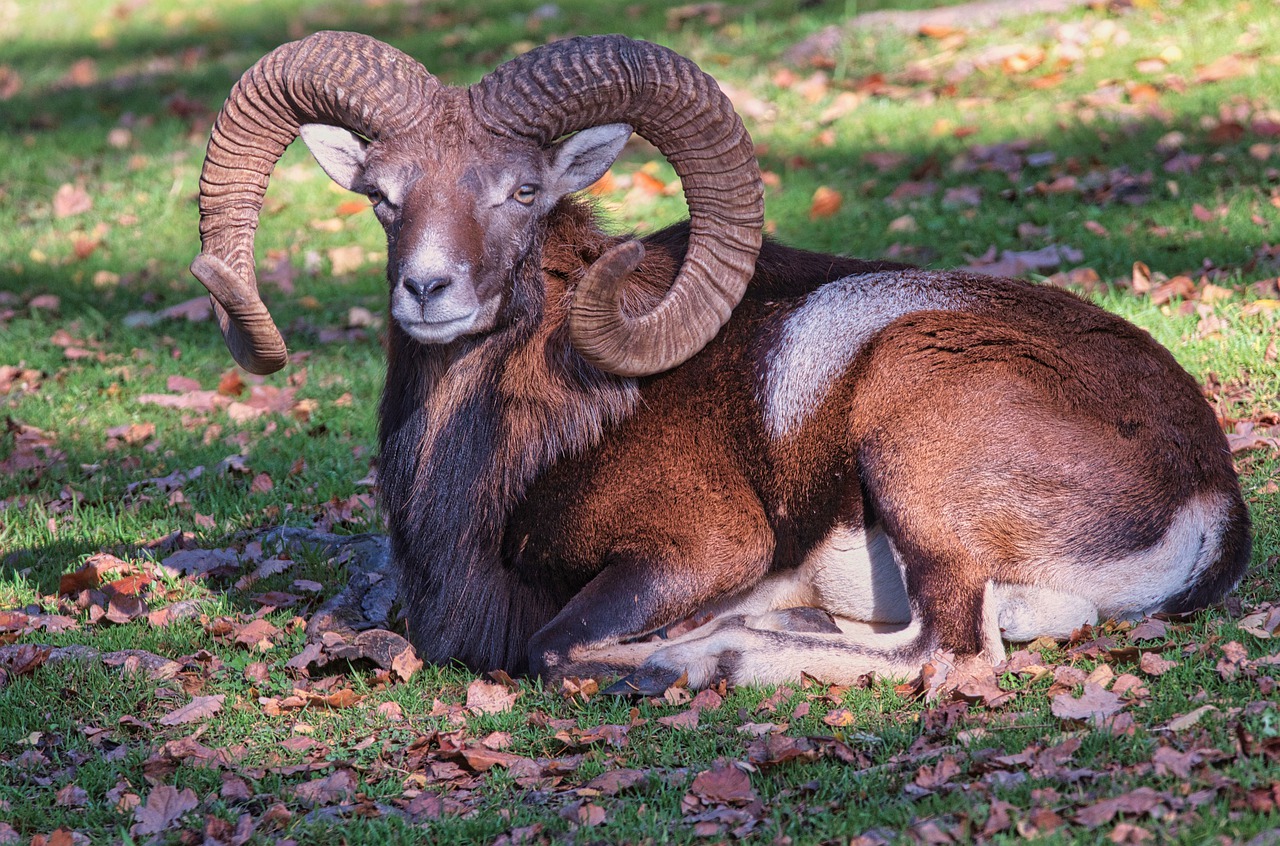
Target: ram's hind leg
<point>775,648</point>
<point>946,612</point>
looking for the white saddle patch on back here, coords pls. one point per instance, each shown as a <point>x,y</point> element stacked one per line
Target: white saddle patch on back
<point>821,338</point>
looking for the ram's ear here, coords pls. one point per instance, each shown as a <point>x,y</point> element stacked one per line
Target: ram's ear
<point>583,158</point>
<point>340,152</point>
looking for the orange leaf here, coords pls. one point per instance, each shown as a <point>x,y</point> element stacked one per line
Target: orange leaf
<point>350,207</point>
<point>938,30</point>
<point>648,184</point>
<point>826,202</point>
<point>606,184</point>
<point>231,385</point>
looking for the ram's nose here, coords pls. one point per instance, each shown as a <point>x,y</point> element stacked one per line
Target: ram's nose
<point>426,289</point>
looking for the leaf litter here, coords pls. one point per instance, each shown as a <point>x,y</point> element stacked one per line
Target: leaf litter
<point>439,762</point>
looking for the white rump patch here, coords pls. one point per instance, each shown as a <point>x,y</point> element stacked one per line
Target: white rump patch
<point>821,339</point>
<point>1139,583</point>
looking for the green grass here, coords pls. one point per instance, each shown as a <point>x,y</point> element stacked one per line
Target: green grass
<point>117,98</point>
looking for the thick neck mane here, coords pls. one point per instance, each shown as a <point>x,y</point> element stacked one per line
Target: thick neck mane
<point>465,428</point>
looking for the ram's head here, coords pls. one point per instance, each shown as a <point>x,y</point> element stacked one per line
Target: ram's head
<point>460,176</point>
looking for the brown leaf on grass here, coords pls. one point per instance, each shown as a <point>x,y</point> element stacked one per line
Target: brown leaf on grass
<point>840,717</point>
<point>761,729</point>
<point>686,719</point>
<point>200,561</point>
<point>975,681</point>
<point>484,697</point>
<point>488,698</point>
<point>339,786</point>
<point>613,782</point>
<point>1094,705</point>
<point>70,200</point>
<point>23,658</point>
<point>723,784</point>
<point>404,660</point>
<point>1226,67</point>
<point>129,585</point>
<point>998,819</point>
<point>131,434</point>
<point>1155,665</point>
<point>18,379</point>
<point>826,202</point>
<point>231,384</point>
<point>346,259</point>
<point>92,574</point>
<point>480,759</point>
<point>310,654</point>
<point>10,82</point>
<point>256,634</point>
<point>1130,685</point>
<point>220,832</point>
<point>1170,761</point>
<point>576,688</point>
<point>584,814</point>
<point>391,711</point>
<point>1234,658</point>
<point>72,796</point>
<point>154,667</point>
<point>121,609</point>
<point>200,708</point>
<point>931,778</point>
<point>1135,802</point>
<point>1188,720</point>
<point>344,698</point>
<point>165,805</point>
<point>781,748</point>
<point>1261,624</point>
<point>706,700</point>
<point>169,614</point>
<point>1150,629</point>
<point>647,184</point>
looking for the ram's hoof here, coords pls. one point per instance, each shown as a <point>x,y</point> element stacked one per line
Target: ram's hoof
<point>645,681</point>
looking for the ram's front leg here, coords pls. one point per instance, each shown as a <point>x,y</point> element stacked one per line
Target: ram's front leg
<point>644,588</point>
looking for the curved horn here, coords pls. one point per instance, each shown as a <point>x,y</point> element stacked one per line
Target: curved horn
<point>582,82</point>
<point>339,78</point>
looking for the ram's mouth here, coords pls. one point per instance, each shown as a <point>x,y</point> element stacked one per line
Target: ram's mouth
<point>438,331</point>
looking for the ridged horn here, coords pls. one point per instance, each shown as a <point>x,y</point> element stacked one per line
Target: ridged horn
<point>582,82</point>
<point>339,78</point>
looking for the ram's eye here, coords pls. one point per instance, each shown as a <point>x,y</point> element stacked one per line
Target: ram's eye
<point>375,197</point>
<point>526,193</point>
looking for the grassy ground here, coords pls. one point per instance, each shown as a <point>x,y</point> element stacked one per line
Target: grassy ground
<point>1149,134</point>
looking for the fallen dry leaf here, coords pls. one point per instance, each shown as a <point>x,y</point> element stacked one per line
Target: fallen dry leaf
<point>613,782</point>
<point>826,202</point>
<point>1134,802</point>
<point>198,709</point>
<point>723,784</point>
<point>256,634</point>
<point>1188,720</point>
<point>1094,705</point>
<point>485,697</point>
<point>71,200</point>
<point>1154,664</point>
<point>165,805</point>
<point>1226,67</point>
<point>338,786</point>
<point>346,259</point>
